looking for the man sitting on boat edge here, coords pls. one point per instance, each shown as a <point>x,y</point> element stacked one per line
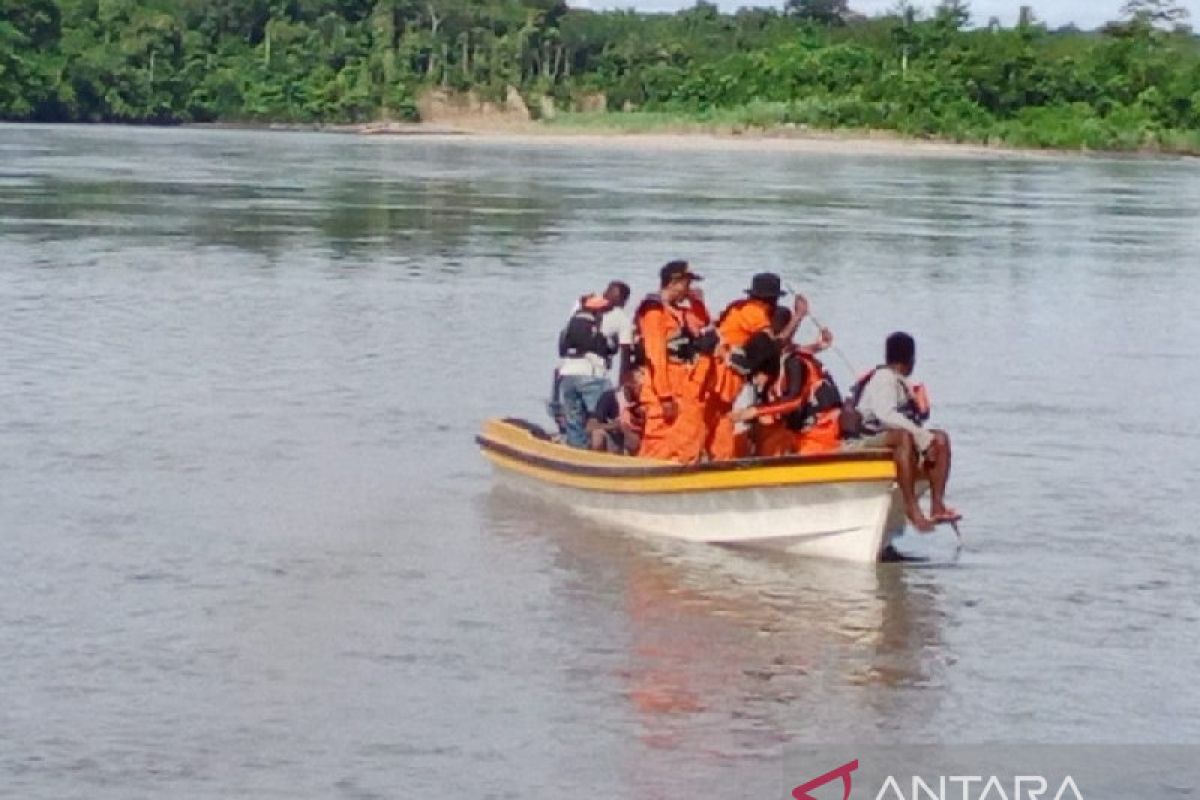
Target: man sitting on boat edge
<point>893,415</point>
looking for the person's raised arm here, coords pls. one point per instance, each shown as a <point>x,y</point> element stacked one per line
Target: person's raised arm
<point>823,342</point>
<point>799,312</point>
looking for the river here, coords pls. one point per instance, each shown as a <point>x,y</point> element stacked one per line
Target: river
<point>250,550</point>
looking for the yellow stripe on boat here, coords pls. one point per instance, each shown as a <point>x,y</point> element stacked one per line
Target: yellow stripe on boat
<point>515,445</point>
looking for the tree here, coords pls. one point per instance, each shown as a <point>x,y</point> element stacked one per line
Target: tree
<point>954,14</point>
<point>339,60</point>
<point>822,12</point>
<point>29,38</point>
<point>1159,13</point>
<point>38,21</point>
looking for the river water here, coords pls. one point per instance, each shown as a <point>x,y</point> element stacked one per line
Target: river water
<point>250,550</point>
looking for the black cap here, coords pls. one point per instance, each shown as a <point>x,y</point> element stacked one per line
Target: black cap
<point>766,286</point>
<point>674,270</point>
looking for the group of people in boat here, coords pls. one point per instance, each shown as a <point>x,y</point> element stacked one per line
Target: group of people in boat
<point>681,372</point>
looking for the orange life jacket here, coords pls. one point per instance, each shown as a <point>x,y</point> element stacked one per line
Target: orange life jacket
<point>680,344</point>
<point>818,395</point>
<point>741,319</point>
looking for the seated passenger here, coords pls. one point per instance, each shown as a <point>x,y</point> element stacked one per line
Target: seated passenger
<point>799,408</point>
<point>598,330</point>
<point>893,415</point>
<point>615,427</point>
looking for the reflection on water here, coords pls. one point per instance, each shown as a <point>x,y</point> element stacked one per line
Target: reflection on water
<point>355,214</point>
<point>721,648</point>
<point>250,550</point>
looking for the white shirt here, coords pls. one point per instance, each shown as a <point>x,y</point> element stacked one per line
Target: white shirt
<point>617,328</point>
<point>881,402</point>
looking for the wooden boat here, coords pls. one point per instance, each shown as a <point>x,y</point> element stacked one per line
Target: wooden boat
<point>843,505</point>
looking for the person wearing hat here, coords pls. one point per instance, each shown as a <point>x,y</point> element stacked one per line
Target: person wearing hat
<point>674,415</point>
<point>746,317</point>
<point>741,321</point>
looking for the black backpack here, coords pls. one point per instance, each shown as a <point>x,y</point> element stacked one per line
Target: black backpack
<point>582,335</point>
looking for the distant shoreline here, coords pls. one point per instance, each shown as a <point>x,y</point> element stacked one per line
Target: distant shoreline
<point>686,136</point>
<point>682,137</point>
<point>758,140</point>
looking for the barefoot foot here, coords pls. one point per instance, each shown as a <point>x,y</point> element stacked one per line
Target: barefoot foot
<point>943,513</point>
<point>919,521</point>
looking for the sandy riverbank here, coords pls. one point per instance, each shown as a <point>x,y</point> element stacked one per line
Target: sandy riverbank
<point>684,137</point>
<point>760,141</point>
<point>699,137</point>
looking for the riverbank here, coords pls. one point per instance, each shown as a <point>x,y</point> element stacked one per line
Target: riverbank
<point>1052,130</point>
<point>665,138</point>
<point>641,130</point>
<point>644,130</point>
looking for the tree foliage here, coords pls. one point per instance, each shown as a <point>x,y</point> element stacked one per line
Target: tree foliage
<point>920,71</point>
<point>821,12</point>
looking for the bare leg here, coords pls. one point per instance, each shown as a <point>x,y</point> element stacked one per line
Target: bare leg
<point>938,467</point>
<point>904,452</point>
<point>598,441</point>
<point>632,438</point>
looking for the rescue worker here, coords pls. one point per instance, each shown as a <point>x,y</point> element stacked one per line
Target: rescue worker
<point>800,406</point>
<point>893,415</point>
<point>740,321</point>
<point>670,396</point>
<point>743,318</point>
<point>597,331</point>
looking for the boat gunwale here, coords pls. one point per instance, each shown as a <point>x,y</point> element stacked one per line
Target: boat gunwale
<point>658,469</point>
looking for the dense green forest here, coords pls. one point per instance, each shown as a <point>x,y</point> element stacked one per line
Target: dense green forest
<point>918,71</point>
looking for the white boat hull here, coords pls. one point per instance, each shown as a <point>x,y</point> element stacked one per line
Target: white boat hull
<point>848,521</point>
<point>839,505</point>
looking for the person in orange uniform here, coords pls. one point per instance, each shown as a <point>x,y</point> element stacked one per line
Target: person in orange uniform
<point>740,321</point>
<point>674,427</point>
<point>801,405</point>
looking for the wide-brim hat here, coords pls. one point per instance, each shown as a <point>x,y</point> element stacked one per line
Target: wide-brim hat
<point>766,286</point>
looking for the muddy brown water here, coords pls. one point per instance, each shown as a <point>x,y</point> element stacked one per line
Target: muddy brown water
<point>250,550</point>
